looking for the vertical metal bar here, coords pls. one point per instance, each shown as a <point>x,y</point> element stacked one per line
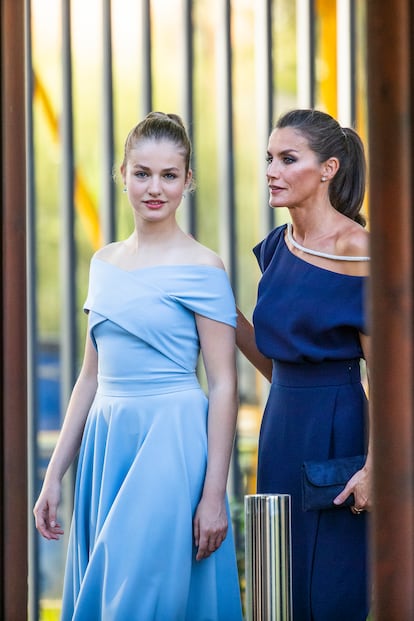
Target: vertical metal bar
<point>227,207</point>
<point>269,62</point>
<point>268,557</point>
<point>68,333</point>
<point>305,52</point>
<point>68,251</point>
<point>391,126</point>
<point>108,186</point>
<point>188,99</point>
<point>226,149</point>
<point>146,97</point>
<point>345,62</point>
<point>32,349</point>
<point>352,61</point>
<point>13,381</point>
<point>303,58</point>
<point>265,95</point>
<point>312,53</point>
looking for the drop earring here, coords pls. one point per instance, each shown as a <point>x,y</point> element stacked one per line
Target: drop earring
<point>125,189</point>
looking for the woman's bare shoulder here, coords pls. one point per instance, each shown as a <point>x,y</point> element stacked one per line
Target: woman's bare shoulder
<point>200,254</point>
<point>109,252</point>
<point>353,241</point>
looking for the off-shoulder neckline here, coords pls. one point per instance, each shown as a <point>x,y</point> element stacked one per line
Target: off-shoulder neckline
<point>161,265</point>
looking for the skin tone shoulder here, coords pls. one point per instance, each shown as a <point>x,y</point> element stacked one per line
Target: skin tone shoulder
<point>155,177</point>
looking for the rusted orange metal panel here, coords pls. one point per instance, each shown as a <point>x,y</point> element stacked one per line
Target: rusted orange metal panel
<point>391,126</point>
<point>13,328</point>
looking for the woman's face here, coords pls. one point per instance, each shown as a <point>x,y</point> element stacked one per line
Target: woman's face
<point>294,172</point>
<point>155,178</point>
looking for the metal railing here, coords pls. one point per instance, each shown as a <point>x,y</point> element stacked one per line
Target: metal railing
<point>100,224</point>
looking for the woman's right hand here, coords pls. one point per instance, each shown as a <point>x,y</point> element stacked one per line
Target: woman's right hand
<point>45,511</point>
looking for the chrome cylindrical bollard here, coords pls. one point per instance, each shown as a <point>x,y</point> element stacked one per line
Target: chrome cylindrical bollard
<point>268,557</point>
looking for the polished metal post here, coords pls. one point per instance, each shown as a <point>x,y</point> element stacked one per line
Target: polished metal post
<point>268,557</point>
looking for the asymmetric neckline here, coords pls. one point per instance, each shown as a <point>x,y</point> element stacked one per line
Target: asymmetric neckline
<point>324,270</point>
<point>317,253</point>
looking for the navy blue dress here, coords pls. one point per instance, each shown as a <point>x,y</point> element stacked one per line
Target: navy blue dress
<point>308,319</point>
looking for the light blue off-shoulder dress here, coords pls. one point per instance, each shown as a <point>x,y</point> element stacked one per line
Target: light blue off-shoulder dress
<point>142,462</point>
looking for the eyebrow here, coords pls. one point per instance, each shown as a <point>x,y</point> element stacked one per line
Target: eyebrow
<point>285,151</point>
<point>143,167</point>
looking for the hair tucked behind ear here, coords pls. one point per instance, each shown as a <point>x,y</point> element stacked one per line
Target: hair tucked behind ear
<point>160,126</point>
<point>328,139</point>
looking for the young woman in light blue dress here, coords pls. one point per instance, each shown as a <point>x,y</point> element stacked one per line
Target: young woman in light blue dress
<point>151,535</point>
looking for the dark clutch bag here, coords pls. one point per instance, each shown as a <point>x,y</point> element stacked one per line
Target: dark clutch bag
<point>322,481</point>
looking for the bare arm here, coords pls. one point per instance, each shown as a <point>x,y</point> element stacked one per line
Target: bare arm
<point>45,510</point>
<point>218,349</point>
<point>360,484</point>
<point>246,342</point>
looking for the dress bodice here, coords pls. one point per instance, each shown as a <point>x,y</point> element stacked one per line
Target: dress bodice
<point>306,313</point>
<point>142,322</point>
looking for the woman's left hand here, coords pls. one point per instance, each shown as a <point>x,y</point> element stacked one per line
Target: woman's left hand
<point>360,486</point>
<point>210,526</point>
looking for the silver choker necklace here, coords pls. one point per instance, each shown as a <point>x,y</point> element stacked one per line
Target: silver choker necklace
<point>316,253</point>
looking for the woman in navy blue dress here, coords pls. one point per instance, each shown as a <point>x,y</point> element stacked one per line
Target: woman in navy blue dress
<point>310,326</point>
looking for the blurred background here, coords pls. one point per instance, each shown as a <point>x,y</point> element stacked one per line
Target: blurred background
<point>229,69</point>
